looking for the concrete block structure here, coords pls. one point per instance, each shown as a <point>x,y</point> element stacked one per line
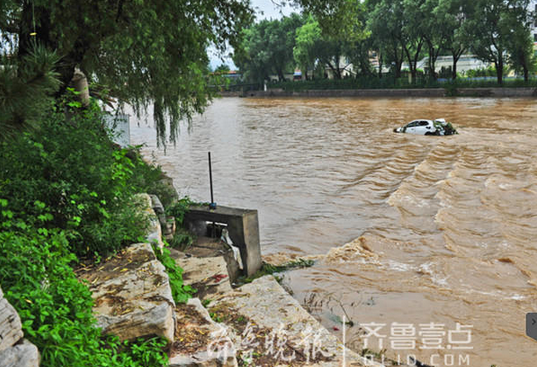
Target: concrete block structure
<point>243,227</point>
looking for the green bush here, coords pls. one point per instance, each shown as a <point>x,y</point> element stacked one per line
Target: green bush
<point>66,192</point>
<point>55,308</point>
<point>150,179</point>
<point>71,172</point>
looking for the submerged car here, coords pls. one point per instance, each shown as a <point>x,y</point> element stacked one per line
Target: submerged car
<point>427,127</point>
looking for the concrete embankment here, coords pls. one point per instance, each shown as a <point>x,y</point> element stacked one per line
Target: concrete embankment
<point>396,93</point>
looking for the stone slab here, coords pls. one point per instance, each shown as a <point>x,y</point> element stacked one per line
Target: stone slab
<point>270,310</point>
<point>10,325</point>
<point>132,295</point>
<point>214,247</point>
<point>24,354</point>
<point>204,274</point>
<point>14,350</point>
<point>200,341</point>
<point>153,230</point>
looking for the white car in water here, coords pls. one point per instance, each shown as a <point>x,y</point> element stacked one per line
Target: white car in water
<point>427,127</point>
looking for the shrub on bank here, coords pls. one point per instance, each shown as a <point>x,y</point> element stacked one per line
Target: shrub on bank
<point>56,309</point>
<point>71,172</point>
<point>65,194</point>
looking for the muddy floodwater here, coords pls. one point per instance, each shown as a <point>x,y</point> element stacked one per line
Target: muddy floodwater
<point>412,230</point>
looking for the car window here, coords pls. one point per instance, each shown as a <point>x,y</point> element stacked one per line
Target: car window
<point>413,124</point>
<point>424,123</point>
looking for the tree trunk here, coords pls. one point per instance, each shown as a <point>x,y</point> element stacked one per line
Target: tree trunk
<point>281,77</point>
<point>432,61</point>
<point>338,70</point>
<point>398,60</point>
<point>499,70</point>
<point>409,58</point>
<point>454,68</point>
<point>414,68</point>
<point>456,57</point>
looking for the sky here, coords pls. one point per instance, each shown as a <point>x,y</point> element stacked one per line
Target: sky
<point>265,9</point>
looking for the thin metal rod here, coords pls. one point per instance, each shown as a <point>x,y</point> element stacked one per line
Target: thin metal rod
<point>211,177</point>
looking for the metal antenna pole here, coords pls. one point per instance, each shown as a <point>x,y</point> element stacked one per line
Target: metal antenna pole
<point>211,178</point>
<point>212,205</point>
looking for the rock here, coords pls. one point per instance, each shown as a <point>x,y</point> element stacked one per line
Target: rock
<point>215,247</point>
<point>10,325</point>
<point>208,275</point>
<point>171,195</point>
<point>24,354</point>
<point>154,230</point>
<point>132,295</point>
<point>264,308</point>
<point>157,206</point>
<point>200,341</point>
<point>14,350</point>
<point>170,226</point>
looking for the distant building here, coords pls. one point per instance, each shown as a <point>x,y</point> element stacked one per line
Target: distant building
<point>346,69</point>
<point>465,63</point>
<point>233,75</point>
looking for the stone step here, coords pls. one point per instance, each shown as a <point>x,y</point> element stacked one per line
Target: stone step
<point>208,275</point>
<point>268,327</point>
<point>132,294</point>
<point>200,341</point>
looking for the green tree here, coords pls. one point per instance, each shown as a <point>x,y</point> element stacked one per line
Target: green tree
<point>146,52</point>
<point>358,54</point>
<point>306,51</point>
<point>414,29</point>
<point>25,89</point>
<point>493,34</point>
<point>223,68</point>
<point>520,47</point>
<point>267,48</point>
<point>451,17</point>
<point>423,19</point>
<point>385,22</point>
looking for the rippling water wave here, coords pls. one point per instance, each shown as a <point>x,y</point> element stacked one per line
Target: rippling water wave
<point>408,229</point>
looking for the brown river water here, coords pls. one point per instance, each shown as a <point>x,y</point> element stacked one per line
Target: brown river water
<point>439,230</point>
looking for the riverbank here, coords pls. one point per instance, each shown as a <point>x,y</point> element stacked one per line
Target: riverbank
<point>324,171</point>
<point>395,93</point>
<point>257,323</point>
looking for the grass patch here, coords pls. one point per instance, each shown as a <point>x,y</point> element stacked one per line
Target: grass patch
<point>181,293</point>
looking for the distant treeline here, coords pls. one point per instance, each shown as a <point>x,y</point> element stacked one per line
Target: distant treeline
<point>395,32</point>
